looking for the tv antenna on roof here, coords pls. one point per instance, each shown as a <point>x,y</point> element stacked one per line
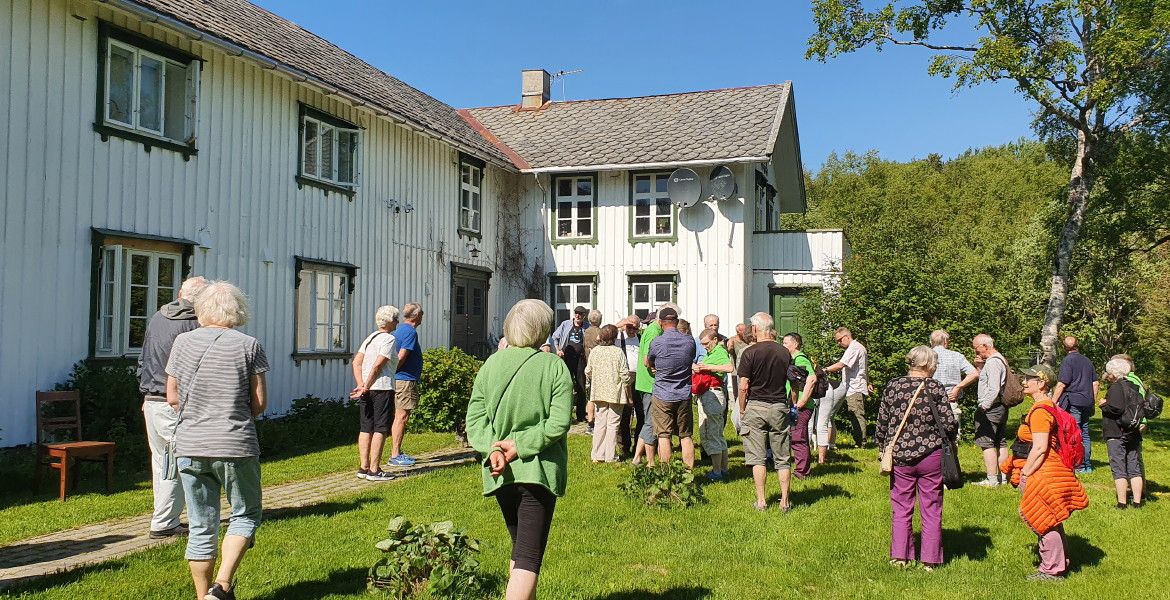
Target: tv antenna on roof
<point>561,75</point>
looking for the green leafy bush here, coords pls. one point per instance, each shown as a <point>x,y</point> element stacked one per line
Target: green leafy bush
<point>444,390</point>
<point>111,407</point>
<point>310,422</point>
<point>436,559</point>
<point>665,484</point>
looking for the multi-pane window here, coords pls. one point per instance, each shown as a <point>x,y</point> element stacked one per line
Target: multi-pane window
<point>767,212</point>
<point>573,204</point>
<point>569,294</point>
<point>146,92</point>
<point>323,298</point>
<point>329,149</point>
<point>132,285</point>
<point>653,212</point>
<point>647,295</point>
<point>470,189</point>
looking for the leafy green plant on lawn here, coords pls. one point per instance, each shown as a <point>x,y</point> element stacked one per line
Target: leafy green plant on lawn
<point>436,559</point>
<point>444,390</point>
<point>665,484</point>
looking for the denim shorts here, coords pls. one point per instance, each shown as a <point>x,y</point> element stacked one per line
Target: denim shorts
<point>203,479</point>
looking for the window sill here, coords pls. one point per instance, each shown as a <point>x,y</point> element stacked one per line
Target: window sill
<point>470,234</point>
<point>347,191</point>
<point>669,239</point>
<point>148,141</point>
<point>574,241</point>
<point>299,357</point>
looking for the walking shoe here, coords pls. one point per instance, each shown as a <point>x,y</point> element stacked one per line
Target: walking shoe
<point>218,593</point>
<point>988,483</point>
<point>379,476</point>
<point>362,473</point>
<point>166,533</point>
<point>715,475</point>
<point>589,429</point>
<point>1083,470</point>
<point>1038,576</point>
<point>1121,506</point>
<point>402,460</point>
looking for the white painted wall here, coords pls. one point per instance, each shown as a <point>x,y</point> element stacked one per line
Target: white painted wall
<point>793,259</point>
<point>58,180</point>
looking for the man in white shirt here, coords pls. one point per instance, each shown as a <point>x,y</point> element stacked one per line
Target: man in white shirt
<point>856,380</point>
<point>374,366</point>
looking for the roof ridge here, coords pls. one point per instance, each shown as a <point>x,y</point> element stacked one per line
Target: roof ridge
<point>730,89</point>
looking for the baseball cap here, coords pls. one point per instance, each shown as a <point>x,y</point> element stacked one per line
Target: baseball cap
<point>652,317</point>
<point>668,314</point>
<point>1044,372</point>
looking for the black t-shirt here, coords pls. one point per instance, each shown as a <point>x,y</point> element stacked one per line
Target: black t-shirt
<point>765,364</point>
<point>575,344</point>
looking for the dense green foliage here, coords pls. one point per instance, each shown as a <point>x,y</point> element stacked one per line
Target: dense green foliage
<point>310,421</point>
<point>666,484</point>
<point>111,406</point>
<point>444,390</point>
<point>436,559</point>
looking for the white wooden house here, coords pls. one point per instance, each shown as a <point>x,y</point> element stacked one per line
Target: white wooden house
<point>148,140</point>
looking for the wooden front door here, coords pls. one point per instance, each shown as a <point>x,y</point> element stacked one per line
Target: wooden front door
<point>785,304</point>
<point>469,292</point>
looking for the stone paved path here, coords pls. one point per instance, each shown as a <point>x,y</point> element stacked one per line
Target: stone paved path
<point>92,544</point>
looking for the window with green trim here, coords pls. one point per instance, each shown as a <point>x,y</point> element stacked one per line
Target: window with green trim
<point>653,212</point>
<point>571,292</point>
<point>647,294</point>
<point>573,203</point>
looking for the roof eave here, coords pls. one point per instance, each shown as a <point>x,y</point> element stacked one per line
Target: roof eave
<point>703,162</point>
<point>196,34</point>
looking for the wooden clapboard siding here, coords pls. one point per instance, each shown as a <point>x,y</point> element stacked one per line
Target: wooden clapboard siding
<point>60,180</point>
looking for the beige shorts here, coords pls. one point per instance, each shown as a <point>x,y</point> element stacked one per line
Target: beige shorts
<point>405,394</point>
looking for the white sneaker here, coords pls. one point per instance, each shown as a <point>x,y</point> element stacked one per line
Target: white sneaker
<point>990,483</point>
<point>379,476</point>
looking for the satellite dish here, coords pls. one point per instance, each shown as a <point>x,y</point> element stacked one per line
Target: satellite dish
<point>722,184</point>
<point>684,188</point>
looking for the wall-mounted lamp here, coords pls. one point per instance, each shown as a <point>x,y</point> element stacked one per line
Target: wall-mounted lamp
<point>408,208</point>
<point>471,249</point>
<point>204,239</point>
<point>394,206</point>
<point>266,256</point>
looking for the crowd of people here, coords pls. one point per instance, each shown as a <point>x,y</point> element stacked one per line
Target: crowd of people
<point>637,383</point>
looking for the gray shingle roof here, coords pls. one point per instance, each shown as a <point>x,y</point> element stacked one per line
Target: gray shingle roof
<point>713,125</point>
<point>253,28</point>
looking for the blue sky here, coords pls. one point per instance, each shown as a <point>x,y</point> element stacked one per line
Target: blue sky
<point>470,54</point>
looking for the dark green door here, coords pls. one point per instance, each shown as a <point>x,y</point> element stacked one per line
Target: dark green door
<point>785,303</point>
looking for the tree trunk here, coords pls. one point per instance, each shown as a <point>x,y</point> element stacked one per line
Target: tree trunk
<point>1079,185</point>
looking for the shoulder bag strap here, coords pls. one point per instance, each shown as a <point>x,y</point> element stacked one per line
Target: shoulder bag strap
<point>187,395</point>
<point>509,384</point>
<point>909,407</point>
<point>942,433</point>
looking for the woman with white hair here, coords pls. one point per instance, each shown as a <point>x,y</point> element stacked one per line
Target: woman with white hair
<point>518,419</point>
<point>1123,440</point>
<point>215,378</point>
<point>915,416</point>
<point>374,366</point>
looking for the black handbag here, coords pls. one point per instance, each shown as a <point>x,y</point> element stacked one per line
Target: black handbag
<point>952,472</point>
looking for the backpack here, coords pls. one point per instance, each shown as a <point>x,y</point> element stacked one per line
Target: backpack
<point>1133,413</point>
<point>1012,392</point>
<point>821,387</point>
<point>1069,444</point>
<point>1151,405</point>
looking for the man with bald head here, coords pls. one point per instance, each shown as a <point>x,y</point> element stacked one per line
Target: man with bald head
<point>1076,391</point>
<point>991,415</point>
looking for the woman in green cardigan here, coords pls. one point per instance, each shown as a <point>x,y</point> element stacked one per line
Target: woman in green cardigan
<point>518,419</point>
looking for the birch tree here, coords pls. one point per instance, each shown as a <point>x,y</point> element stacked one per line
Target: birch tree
<point>1096,69</point>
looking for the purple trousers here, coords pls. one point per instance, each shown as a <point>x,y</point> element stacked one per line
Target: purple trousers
<point>800,448</point>
<point>1052,559</point>
<point>925,480</point>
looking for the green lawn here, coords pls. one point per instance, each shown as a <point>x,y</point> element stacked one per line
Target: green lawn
<point>606,546</point>
<point>24,515</point>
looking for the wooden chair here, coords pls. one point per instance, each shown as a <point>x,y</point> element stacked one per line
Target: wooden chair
<point>64,417</point>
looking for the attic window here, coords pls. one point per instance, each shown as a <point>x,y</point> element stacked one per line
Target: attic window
<point>329,150</point>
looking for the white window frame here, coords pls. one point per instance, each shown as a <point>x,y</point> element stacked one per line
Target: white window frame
<point>470,197</point>
<point>190,113</point>
<point>654,299</point>
<point>333,177</point>
<point>114,292</point>
<point>309,297</point>
<point>573,285</point>
<point>652,196</point>
<point>576,216</point>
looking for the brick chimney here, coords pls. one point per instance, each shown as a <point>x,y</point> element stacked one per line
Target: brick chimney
<point>534,86</point>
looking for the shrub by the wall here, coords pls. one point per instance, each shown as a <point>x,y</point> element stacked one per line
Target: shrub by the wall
<point>444,390</point>
<point>111,407</point>
<point>311,422</point>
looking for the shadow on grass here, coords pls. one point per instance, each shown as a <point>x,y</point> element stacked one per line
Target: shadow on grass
<point>836,469</point>
<point>19,555</point>
<point>1081,553</point>
<point>822,492</point>
<point>344,582</point>
<point>17,587</point>
<point>321,509</point>
<point>971,542</point>
<point>676,593</point>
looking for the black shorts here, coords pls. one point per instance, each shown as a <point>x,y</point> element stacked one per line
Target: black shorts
<point>375,409</point>
<point>528,512</point>
<point>991,427</point>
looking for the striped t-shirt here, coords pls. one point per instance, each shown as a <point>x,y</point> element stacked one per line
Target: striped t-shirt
<point>217,419</point>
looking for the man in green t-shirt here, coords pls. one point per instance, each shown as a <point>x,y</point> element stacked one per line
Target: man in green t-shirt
<point>713,403</point>
<point>804,407</point>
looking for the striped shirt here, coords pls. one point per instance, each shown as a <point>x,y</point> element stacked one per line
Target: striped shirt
<point>217,418</point>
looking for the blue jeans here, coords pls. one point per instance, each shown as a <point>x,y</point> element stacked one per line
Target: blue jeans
<point>1081,414</point>
<point>202,480</point>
